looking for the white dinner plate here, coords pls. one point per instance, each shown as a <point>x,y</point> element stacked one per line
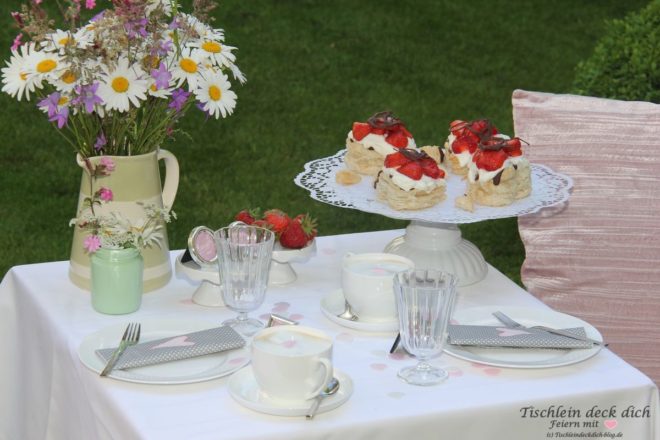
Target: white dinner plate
<point>523,357</point>
<point>192,370</point>
<point>333,305</point>
<point>243,388</point>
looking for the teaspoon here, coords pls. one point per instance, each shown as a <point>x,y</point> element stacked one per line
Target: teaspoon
<point>348,313</point>
<point>330,389</point>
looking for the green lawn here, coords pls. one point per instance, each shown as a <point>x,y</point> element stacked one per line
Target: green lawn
<point>313,68</point>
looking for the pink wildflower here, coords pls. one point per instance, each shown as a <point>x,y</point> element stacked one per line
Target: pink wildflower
<point>37,2</point>
<point>17,42</point>
<point>105,194</point>
<point>107,163</point>
<point>92,243</point>
<point>90,4</point>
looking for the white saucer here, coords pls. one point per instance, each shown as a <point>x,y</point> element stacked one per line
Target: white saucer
<point>333,305</point>
<point>243,388</point>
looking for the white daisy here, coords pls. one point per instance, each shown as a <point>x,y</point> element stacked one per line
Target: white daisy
<point>240,76</point>
<point>66,82</point>
<point>46,65</point>
<point>188,67</point>
<point>156,92</point>
<point>59,40</point>
<point>122,86</point>
<point>221,54</point>
<point>214,93</point>
<point>16,80</point>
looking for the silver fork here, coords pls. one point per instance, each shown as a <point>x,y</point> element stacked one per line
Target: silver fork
<point>504,319</point>
<point>131,337</point>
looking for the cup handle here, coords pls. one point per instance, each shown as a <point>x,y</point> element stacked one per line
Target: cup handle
<point>327,366</point>
<point>171,184</point>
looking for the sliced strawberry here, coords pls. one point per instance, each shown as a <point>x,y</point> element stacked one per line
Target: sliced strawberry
<point>412,170</point>
<point>405,131</point>
<point>430,168</point>
<point>278,220</point>
<point>457,127</point>
<point>490,160</point>
<point>397,139</point>
<point>395,160</point>
<point>464,143</point>
<point>360,130</point>
<point>513,147</point>
<point>380,131</point>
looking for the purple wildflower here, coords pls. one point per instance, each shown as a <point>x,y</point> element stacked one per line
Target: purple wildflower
<point>105,194</point>
<point>162,76</point>
<point>174,25</point>
<point>61,117</point>
<point>87,96</point>
<point>136,27</point>
<point>90,4</point>
<point>17,42</point>
<point>92,243</point>
<point>200,106</point>
<point>179,98</point>
<point>50,103</point>
<point>164,47</point>
<point>98,16</point>
<point>18,19</point>
<point>101,142</point>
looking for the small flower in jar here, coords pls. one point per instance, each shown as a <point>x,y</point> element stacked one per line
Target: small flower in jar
<point>92,243</point>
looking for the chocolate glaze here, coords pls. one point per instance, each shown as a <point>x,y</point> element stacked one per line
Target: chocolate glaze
<point>377,177</point>
<point>497,178</point>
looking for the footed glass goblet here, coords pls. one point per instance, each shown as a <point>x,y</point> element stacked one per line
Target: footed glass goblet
<point>244,257</point>
<point>425,300</point>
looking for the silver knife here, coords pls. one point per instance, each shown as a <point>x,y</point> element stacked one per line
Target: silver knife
<point>131,337</point>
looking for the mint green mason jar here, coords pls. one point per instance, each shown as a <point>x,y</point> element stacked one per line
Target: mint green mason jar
<point>116,280</point>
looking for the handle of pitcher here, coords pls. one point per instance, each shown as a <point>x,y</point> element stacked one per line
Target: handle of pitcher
<point>171,184</point>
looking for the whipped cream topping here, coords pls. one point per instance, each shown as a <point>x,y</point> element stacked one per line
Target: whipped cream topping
<point>404,182</point>
<point>487,176</point>
<point>379,144</point>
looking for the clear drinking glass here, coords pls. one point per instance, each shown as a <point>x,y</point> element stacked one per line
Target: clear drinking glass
<point>425,300</point>
<point>244,256</point>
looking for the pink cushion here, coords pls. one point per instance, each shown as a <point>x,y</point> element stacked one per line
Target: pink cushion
<point>598,257</point>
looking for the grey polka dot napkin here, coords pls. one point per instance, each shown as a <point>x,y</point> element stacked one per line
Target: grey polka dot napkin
<point>175,348</point>
<point>500,336</point>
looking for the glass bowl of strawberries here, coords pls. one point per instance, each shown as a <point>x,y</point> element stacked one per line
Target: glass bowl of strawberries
<point>294,241</point>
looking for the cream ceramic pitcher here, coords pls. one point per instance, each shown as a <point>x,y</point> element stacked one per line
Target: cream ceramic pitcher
<point>134,179</point>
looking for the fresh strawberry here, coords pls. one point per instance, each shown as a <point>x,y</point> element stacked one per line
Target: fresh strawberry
<point>464,143</point>
<point>430,168</point>
<point>277,219</point>
<point>457,127</point>
<point>513,147</point>
<point>395,160</point>
<point>490,160</point>
<point>248,216</point>
<point>412,170</point>
<point>360,130</point>
<point>397,139</point>
<point>379,131</point>
<point>263,224</point>
<point>405,131</point>
<point>300,231</point>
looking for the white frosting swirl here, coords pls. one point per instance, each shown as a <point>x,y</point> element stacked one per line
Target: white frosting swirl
<point>404,182</point>
<point>487,176</point>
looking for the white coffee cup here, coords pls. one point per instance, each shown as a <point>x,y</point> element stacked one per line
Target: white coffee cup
<point>367,281</point>
<point>292,362</point>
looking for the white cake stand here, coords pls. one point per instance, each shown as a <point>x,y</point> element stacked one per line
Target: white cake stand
<point>209,292</point>
<point>433,238</point>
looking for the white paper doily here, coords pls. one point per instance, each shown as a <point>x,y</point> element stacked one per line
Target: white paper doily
<point>548,188</point>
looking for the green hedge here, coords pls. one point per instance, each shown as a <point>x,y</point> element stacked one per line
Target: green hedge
<point>626,61</point>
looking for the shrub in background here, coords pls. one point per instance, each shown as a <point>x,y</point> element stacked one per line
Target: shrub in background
<point>626,61</point>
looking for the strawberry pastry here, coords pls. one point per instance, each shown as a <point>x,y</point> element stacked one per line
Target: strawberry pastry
<point>410,179</point>
<point>369,142</point>
<point>462,143</point>
<point>498,174</point>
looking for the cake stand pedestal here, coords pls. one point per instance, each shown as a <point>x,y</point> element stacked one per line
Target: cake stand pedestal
<point>440,246</point>
<point>433,238</point>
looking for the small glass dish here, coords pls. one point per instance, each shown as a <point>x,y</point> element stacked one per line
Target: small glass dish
<point>201,246</point>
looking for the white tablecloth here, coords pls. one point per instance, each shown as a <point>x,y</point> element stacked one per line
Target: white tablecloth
<point>46,392</point>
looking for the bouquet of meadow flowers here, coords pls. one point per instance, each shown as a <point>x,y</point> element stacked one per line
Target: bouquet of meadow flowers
<point>119,83</point>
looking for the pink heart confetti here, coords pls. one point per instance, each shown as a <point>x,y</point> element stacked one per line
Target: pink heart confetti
<point>237,361</point>
<point>492,371</point>
<point>378,367</point>
<point>397,356</point>
<point>179,341</point>
<point>296,317</point>
<point>508,332</point>
<point>610,424</point>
